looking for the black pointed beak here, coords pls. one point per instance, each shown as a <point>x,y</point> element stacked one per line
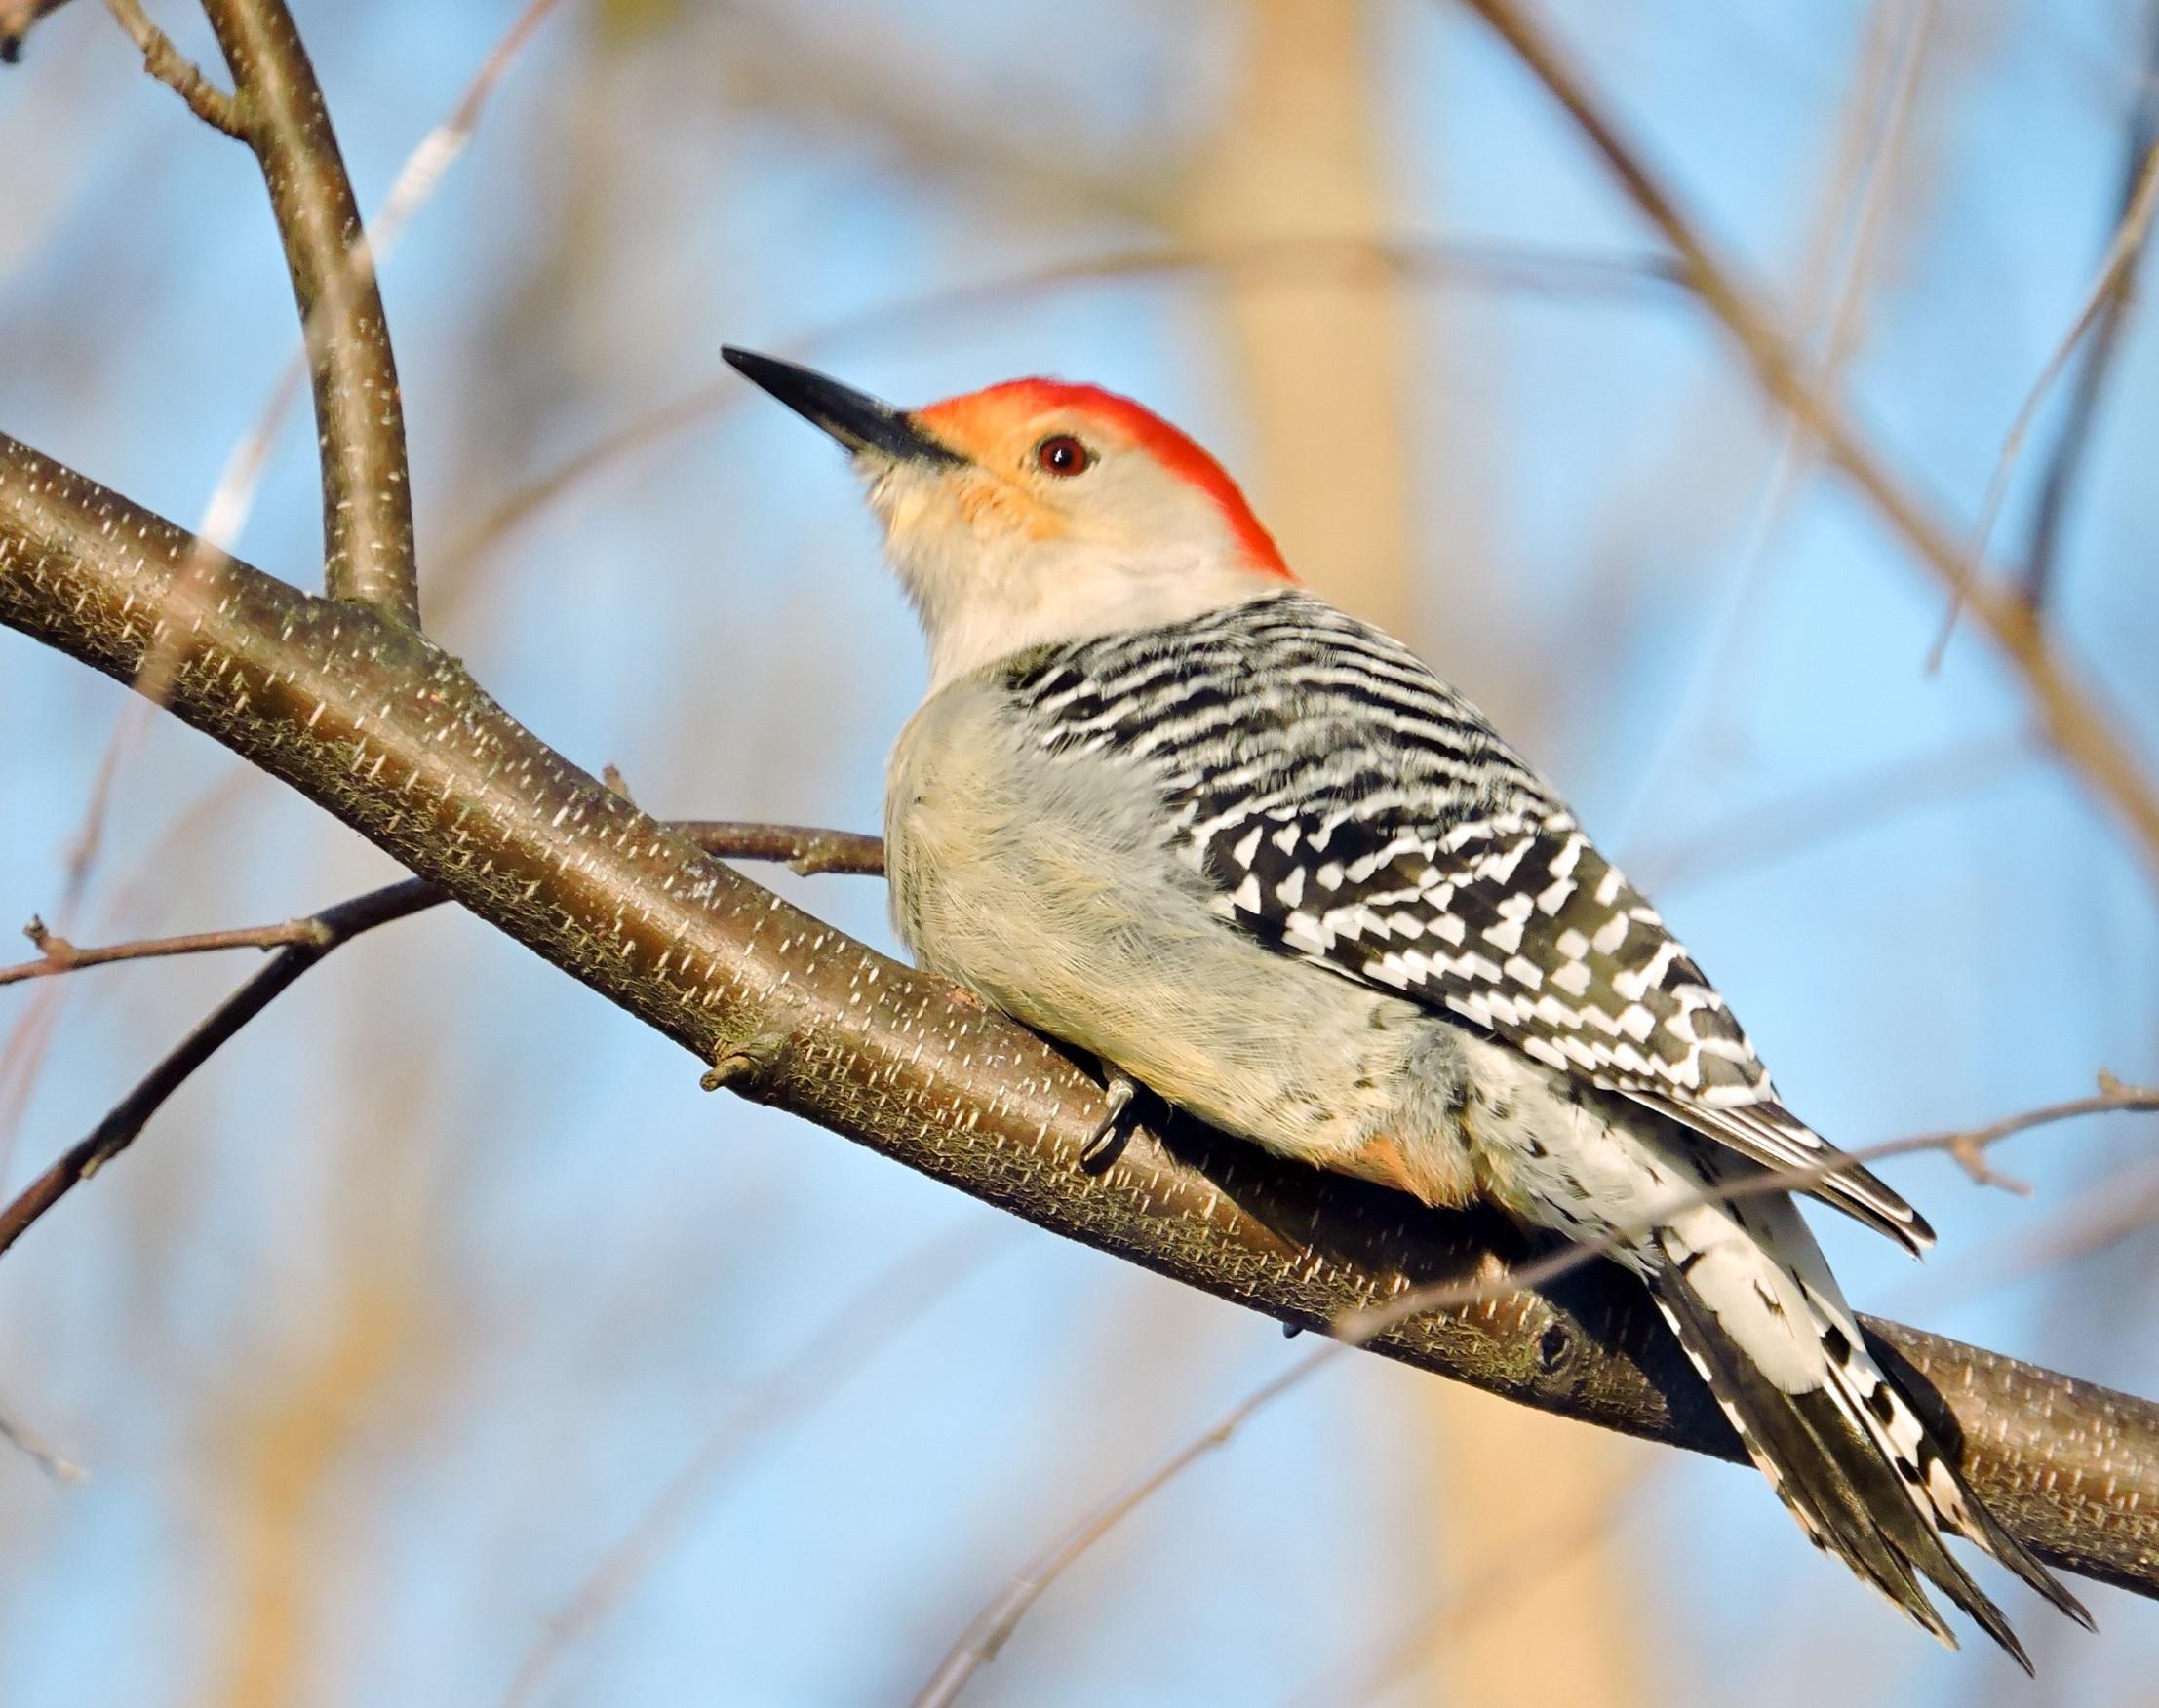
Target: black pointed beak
<point>857,420</point>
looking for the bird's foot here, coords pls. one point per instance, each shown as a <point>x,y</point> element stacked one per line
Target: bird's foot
<point>1114,1131</point>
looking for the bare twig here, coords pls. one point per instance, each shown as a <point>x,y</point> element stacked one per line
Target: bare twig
<point>2073,719</point>
<point>2116,267</point>
<point>1968,1147</point>
<point>989,1631</point>
<point>120,1127</point>
<point>438,149</point>
<point>368,546</point>
<point>176,71</point>
<point>993,1625</point>
<point>899,1297</point>
<point>800,847</point>
<point>307,942</point>
<point>59,955</point>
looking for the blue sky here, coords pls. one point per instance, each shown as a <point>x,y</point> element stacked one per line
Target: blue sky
<point>404,1310</point>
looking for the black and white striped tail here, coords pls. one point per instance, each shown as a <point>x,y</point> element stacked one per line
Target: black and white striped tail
<point>1854,1464</point>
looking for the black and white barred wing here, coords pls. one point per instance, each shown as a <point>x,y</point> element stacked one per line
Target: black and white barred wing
<point>1346,805</point>
<point>1519,925</point>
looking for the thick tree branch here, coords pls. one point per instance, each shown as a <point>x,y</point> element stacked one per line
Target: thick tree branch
<point>368,543</point>
<point>390,736</point>
<point>2073,719</point>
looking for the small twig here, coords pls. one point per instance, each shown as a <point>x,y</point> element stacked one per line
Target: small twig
<point>1969,1149</point>
<point>894,1301</point>
<point>802,848</point>
<point>743,1065</point>
<point>314,938</point>
<point>120,1127</point>
<point>2115,269</point>
<point>176,71</point>
<point>59,955</point>
<point>424,167</point>
<point>989,1631</point>
<point>993,1625</point>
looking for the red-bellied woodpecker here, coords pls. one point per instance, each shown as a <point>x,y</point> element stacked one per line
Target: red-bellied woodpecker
<point>1167,805</point>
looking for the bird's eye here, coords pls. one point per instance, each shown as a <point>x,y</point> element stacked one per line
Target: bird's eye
<point>1063,455</point>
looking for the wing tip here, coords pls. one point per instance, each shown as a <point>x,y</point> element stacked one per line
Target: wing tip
<point>1914,1232</point>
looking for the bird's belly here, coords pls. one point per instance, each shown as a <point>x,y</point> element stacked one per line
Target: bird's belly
<point>1047,890</point>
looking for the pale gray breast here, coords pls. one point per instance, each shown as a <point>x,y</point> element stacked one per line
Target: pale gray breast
<point>1051,887</point>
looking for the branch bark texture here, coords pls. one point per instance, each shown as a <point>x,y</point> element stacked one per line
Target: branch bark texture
<point>368,543</point>
<point>371,721</point>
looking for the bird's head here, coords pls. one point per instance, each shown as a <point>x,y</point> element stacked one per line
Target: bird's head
<point>1037,511</point>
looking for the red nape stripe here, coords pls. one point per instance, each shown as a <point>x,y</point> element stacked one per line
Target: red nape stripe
<point>1171,446</point>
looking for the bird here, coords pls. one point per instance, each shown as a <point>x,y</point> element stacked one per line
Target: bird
<point>1165,804</point>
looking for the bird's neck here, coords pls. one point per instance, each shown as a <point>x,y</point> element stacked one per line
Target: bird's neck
<point>995,620</point>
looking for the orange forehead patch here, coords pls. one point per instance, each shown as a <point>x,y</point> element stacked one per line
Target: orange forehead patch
<point>974,423</point>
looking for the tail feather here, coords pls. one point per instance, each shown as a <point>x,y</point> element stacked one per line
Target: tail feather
<point>1787,1446</point>
<point>1870,1396</point>
<point>1843,1448</point>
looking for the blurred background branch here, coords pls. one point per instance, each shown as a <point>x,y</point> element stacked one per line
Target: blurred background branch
<point>2079,726</point>
<point>437,1285</point>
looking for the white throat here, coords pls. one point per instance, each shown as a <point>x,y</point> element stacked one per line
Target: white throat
<point>983,596</point>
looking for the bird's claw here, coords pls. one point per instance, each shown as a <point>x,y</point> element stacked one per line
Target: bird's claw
<point>1113,1132</point>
